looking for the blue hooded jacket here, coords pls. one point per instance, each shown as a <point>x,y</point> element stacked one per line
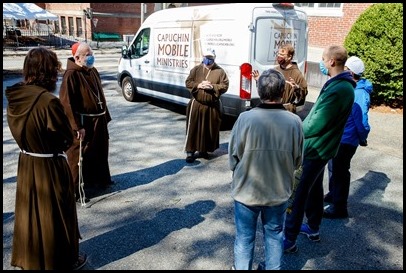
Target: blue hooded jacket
<point>357,127</point>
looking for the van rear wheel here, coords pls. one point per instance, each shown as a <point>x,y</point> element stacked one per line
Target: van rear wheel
<point>128,89</point>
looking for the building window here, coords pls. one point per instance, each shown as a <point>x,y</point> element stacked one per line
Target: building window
<point>329,5</point>
<point>71,26</point>
<point>79,29</point>
<point>322,9</point>
<point>56,26</point>
<point>63,25</point>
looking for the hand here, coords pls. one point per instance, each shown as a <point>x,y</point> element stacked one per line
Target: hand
<point>363,143</point>
<point>80,134</point>
<point>205,85</point>
<point>292,83</point>
<point>255,74</point>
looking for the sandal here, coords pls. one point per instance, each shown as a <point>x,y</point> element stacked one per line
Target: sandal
<point>81,261</point>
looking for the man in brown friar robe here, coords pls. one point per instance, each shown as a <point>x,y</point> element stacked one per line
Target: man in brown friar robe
<point>46,232</point>
<point>206,83</point>
<point>83,98</point>
<point>296,84</point>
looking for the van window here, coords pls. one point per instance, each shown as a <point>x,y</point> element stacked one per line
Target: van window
<point>272,33</point>
<point>140,47</point>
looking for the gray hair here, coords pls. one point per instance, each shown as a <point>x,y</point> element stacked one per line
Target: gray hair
<point>82,49</point>
<point>271,85</point>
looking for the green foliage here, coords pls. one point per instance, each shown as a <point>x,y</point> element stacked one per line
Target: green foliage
<point>377,38</point>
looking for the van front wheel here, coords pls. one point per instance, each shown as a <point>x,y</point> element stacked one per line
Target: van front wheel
<point>128,89</point>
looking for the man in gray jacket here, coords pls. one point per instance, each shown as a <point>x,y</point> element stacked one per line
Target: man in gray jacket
<point>265,148</point>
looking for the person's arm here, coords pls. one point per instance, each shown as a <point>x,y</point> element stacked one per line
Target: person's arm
<point>322,116</point>
<point>222,86</point>
<point>233,159</point>
<point>190,82</point>
<point>255,75</point>
<point>71,99</point>
<point>362,131</point>
<point>299,88</point>
<point>58,126</point>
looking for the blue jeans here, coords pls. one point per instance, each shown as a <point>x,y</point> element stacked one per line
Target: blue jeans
<point>308,199</point>
<point>246,219</point>
<point>340,176</point>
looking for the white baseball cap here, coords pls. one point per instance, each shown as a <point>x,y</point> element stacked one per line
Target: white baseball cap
<point>356,65</point>
<point>209,52</point>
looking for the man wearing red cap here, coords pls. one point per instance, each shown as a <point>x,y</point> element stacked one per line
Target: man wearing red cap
<point>82,96</point>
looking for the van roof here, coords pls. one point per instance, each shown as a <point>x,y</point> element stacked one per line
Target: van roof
<point>217,10</point>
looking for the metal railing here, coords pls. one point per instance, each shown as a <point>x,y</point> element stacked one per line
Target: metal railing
<point>14,38</point>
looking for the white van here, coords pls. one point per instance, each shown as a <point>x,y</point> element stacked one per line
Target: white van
<point>245,37</point>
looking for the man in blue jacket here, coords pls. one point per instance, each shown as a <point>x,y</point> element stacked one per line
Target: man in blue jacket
<point>355,133</point>
<point>323,128</point>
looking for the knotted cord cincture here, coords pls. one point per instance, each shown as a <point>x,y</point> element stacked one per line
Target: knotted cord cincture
<point>82,196</point>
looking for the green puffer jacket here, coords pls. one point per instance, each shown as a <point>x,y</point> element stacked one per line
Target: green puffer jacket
<point>324,125</point>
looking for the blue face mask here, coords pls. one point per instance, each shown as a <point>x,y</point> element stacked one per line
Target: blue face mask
<point>323,68</point>
<point>89,61</point>
<point>208,61</point>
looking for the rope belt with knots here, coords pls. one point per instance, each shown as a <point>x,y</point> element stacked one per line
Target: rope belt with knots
<point>82,197</point>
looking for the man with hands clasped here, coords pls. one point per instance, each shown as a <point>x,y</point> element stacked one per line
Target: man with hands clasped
<point>206,83</point>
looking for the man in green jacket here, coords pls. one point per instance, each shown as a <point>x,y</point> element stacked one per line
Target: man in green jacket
<point>323,128</point>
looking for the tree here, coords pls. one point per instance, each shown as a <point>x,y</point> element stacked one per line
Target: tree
<point>377,38</point>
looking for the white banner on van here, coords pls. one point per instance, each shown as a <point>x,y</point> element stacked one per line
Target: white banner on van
<point>173,48</point>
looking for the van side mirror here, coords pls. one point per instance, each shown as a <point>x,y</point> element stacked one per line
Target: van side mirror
<point>124,51</point>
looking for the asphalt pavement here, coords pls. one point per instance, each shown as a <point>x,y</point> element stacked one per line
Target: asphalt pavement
<point>164,214</point>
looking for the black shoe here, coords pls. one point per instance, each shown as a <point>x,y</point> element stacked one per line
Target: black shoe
<point>328,198</point>
<point>289,246</point>
<point>190,158</point>
<point>333,213</point>
<point>112,182</point>
<point>108,185</point>
<point>80,262</point>
<point>204,155</point>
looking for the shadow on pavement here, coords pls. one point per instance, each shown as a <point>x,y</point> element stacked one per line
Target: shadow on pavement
<point>134,235</point>
<point>345,241</point>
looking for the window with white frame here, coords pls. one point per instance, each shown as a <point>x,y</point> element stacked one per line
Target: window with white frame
<point>322,9</point>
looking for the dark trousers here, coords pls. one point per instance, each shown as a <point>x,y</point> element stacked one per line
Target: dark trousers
<point>308,199</point>
<point>340,176</point>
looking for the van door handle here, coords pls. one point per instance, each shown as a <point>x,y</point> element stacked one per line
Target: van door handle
<point>146,61</point>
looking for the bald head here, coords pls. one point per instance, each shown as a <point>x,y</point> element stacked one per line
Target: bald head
<point>334,58</point>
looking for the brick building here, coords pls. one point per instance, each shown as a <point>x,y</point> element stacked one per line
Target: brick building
<point>329,23</point>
